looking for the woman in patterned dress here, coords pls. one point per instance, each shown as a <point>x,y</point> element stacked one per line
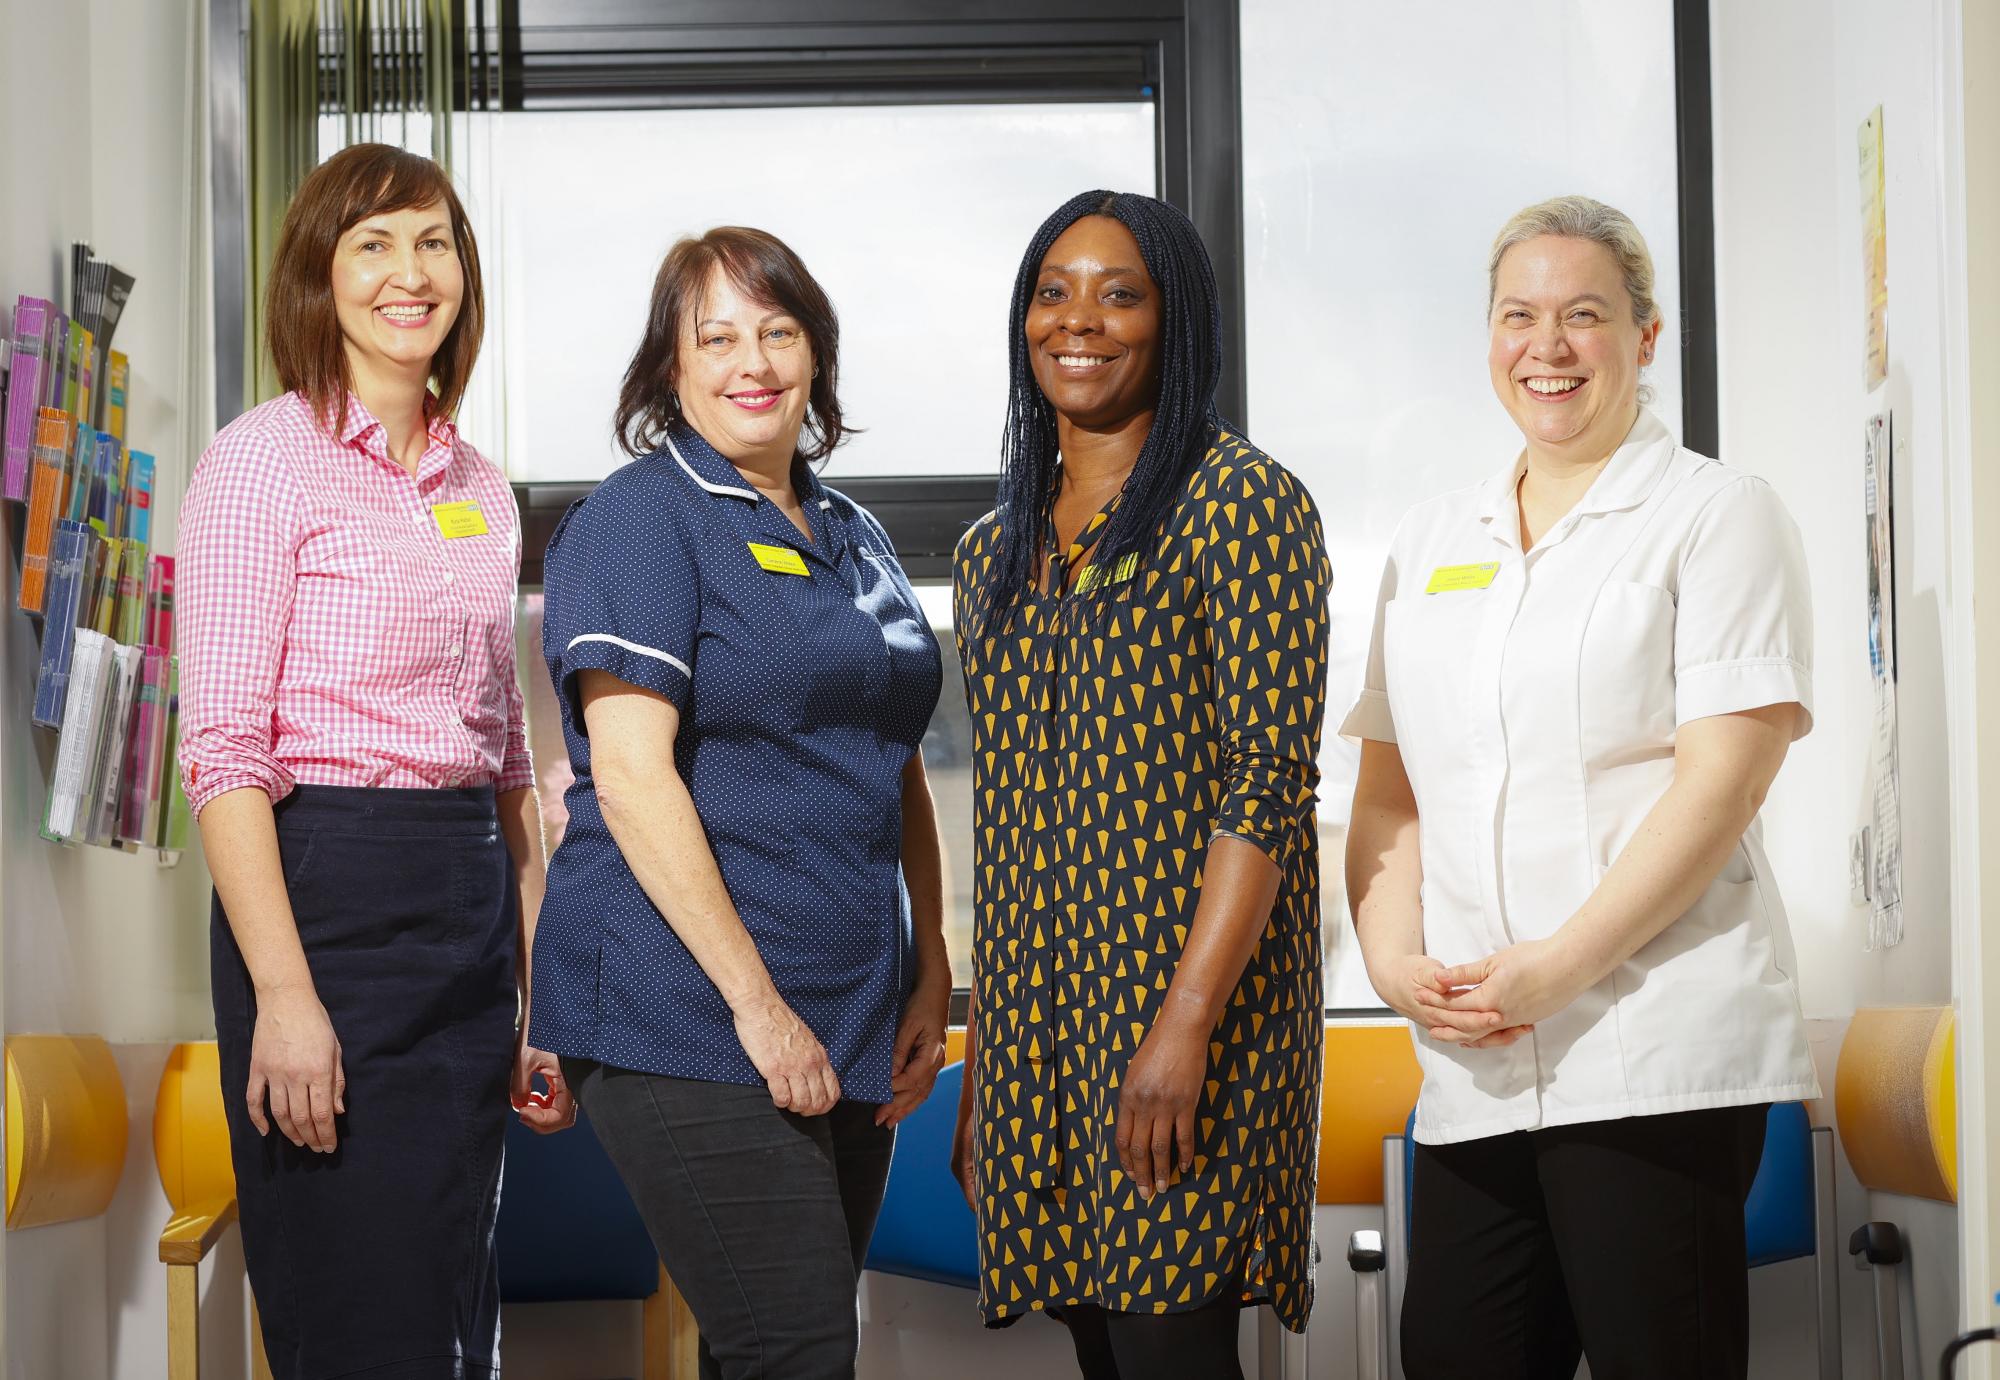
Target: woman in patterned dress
<point>1142,623</point>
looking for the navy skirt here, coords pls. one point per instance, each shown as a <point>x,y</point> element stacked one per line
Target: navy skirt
<point>378,1258</point>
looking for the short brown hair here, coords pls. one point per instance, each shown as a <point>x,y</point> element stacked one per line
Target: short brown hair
<point>360,181</point>
<point>765,269</point>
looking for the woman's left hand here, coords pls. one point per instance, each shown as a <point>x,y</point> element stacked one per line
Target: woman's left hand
<point>541,1112</point>
<point>919,1052</point>
<point>1524,984</point>
<point>1156,1103</point>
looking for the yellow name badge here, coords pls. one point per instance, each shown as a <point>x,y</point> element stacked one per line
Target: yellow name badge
<point>459,519</point>
<point>1448,578</point>
<point>779,560</point>
<point>1091,576</point>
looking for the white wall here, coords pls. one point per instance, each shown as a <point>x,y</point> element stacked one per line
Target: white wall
<point>1793,81</point>
<point>93,941</point>
<point>1976,256</point>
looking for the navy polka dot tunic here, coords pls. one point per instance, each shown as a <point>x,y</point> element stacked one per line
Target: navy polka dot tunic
<point>805,674</point>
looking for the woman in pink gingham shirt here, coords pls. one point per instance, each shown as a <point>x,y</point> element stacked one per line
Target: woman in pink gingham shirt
<point>353,746</point>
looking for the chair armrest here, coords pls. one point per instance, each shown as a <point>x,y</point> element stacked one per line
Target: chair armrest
<point>188,1236</point>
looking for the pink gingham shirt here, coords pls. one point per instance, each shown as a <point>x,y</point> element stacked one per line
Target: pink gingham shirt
<point>330,634</point>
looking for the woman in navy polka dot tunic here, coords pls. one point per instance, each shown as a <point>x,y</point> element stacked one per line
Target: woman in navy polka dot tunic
<point>740,958</point>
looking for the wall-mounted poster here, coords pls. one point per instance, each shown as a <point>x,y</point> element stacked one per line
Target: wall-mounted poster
<point>1874,249</point>
<point>1884,833</point>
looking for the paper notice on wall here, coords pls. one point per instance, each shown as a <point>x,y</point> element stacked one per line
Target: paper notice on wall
<point>1885,830</point>
<point>1874,250</point>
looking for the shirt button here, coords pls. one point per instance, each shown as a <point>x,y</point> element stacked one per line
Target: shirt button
<point>449,577</point>
<point>453,651</point>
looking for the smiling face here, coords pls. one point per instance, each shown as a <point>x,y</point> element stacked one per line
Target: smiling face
<point>397,287</point>
<point>1565,351</point>
<point>743,375</point>
<point>1093,326</point>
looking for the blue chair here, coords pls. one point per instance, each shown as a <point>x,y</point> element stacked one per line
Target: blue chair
<point>925,1230</point>
<point>568,1231</point>
<point>1789,1215</point>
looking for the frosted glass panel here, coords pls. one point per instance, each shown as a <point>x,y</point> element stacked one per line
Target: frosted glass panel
<point>1382,149</point>
<point>912,217</point>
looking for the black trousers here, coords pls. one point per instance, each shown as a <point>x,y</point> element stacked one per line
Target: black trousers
<point>377,1259</point>
<point>761,1216</point>
<point>1198,1344</point>
<point>1618,1240</point>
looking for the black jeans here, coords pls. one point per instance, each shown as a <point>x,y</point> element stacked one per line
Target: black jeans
<point>761,1216</point>
<point>1196,1344</point>
<point>1617,1240</point>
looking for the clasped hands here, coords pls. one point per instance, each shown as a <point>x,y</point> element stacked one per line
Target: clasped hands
<point>1490,1002</point>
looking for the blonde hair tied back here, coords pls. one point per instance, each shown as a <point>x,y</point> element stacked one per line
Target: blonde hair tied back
<point>1584,218</point>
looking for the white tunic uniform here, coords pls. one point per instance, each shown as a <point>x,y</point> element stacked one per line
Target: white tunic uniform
<point>1535,712</point>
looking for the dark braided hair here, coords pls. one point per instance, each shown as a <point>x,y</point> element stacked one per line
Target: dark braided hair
<point>1183,421</point>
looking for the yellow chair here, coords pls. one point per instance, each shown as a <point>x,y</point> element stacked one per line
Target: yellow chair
<point>191,1150</point>
<point>1370,1085</point>
<point>66,1129</point>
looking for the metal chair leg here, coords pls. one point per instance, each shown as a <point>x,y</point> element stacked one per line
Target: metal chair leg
<point>1371,1305</point>
<point>1395,1248</point>
<point>1878,1248</point>
<point>1826,1266</point>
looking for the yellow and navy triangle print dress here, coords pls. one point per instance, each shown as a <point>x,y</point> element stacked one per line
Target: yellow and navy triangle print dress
<point>1109,747</point>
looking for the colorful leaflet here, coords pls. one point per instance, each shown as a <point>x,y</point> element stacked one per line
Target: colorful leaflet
<point>31,327</point>
<point>159,630</point>
<point>44,489</point>
<point>69,572</point>
<point>139,498</point>
<point>104,613</point>
<point>90,665</point>
<point>142,754</point>
<point>114,411</point>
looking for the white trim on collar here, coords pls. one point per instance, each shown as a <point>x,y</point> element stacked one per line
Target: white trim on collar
<point>653,652</point>
<point>750,494</point>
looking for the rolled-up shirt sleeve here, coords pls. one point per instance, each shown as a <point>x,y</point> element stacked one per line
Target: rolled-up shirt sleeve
<point>1743,614</point>
<point>236,573</point>
<point>1265,575</point>
<point>623,595</point>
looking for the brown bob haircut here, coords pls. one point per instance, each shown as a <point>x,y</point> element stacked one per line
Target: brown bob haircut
<point>361,180</point>
<point>764,269</point>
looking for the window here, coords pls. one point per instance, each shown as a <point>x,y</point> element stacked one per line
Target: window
<point>912,217</point>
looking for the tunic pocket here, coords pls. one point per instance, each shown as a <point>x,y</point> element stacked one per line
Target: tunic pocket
<point>1625,674</point>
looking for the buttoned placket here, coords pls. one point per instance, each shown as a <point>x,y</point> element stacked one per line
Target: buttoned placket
<point>1505,597</point>
<point>1502,608</point>
<point>416,492</point>
<point>1059,611</point>
<point>829,548</point>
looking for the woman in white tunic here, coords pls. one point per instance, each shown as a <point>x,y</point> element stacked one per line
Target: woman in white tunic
<point>1584,675</point>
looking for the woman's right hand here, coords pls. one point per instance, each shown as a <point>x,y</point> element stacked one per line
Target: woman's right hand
<point>964,1155</point>
<point>1408,975</point>
<point>789,1056</point>
<point>295,1063</point>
